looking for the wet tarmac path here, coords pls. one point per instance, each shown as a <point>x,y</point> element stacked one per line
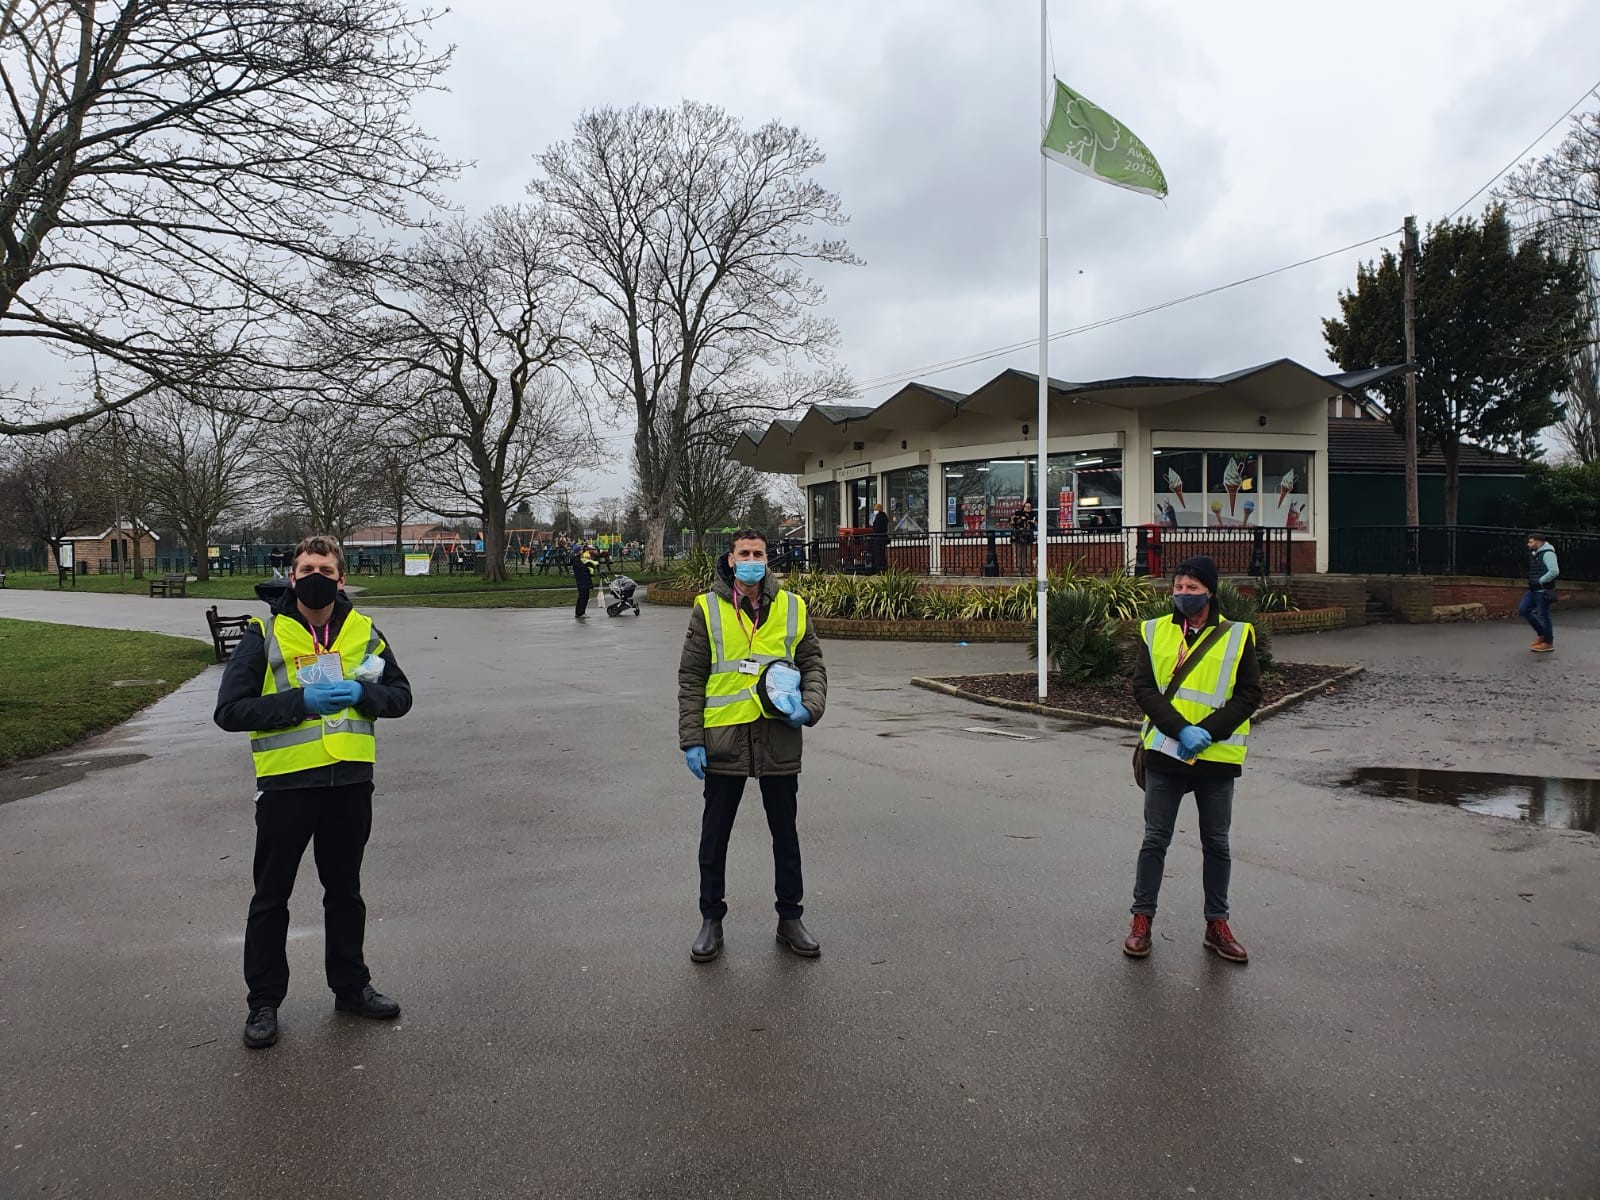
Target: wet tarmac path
<point>1418,1019</point>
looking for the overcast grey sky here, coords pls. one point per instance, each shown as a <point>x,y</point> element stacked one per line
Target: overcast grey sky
<point>1282,134</point>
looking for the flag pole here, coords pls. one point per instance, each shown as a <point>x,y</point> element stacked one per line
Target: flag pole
<point>1041,511</point>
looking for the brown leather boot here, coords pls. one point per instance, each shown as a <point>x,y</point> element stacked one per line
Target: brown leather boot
<point>1542,647</point>
<point>1220,938</point>
<point>1137,943</point>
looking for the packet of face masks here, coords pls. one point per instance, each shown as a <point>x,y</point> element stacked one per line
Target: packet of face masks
<point>783,686</point>
<point>370,670</point>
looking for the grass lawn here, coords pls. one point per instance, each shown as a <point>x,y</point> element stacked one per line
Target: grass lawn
<point>56,687</point>
<point>507,598</point>
<point>513,593</point>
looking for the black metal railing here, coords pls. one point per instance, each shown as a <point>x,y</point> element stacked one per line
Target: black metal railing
<point>1456,550</point>
<point>1142,550</point>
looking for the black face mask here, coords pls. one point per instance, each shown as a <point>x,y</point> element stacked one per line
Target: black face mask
<point>1190,604</point>
<point>316,591</point>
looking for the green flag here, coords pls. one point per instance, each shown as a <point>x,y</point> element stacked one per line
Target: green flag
<point>1089,139</point>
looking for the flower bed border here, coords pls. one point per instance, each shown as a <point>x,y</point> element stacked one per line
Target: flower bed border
<point>1071,714</point>
<point>1307,620</point>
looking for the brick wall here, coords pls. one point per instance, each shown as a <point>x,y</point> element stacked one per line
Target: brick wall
<point>1306,620</point>
<point>1348,592</point>
<point>1500,597</point>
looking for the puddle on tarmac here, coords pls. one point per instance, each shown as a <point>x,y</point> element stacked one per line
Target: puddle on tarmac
<point>45,774</point>
<point>1558,803</point>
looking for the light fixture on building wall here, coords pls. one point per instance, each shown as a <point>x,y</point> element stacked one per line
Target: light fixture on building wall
<point>1024,431</point>
<point>863,445</point>
<point>903,444</point>
<point>819,462</point>
<point>1262,420</point>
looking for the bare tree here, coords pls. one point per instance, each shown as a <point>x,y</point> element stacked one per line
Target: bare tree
<point>48,488</point>
<point>1557,197</point>
<point>471,331</point>
<point>323,460</point>
<point>169,169</point>
<point>394,476</point>
<point>690,238</point>
<point>713,490</point>
<point>200,458</point>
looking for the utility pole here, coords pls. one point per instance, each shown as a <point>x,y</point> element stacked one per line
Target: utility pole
<point>1408,267</point>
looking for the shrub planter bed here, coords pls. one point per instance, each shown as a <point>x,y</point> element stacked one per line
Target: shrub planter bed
<point>921,629</point>
<point>1113,704</point>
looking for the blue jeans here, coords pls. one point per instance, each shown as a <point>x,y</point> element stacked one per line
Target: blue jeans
<point>1535,608</point>
<point>1213,797</point>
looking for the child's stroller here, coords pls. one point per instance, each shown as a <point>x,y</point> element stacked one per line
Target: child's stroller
<point>619,596</point>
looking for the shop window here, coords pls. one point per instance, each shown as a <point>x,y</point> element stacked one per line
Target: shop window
<point>824,498</point>
<point>907,500</point>
<point>1084,491</point>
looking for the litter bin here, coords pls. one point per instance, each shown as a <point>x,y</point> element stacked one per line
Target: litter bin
<point>1147,551</point>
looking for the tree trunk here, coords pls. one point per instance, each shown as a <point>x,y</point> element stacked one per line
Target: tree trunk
<point>1452,481</point>
<point>202,561</point>
<point>655,536</point>
<point>494,541</point>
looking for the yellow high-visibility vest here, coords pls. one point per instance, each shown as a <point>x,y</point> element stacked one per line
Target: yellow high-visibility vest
<point>344,736</point>
<point>730,693</point>
<point>1205,688</point>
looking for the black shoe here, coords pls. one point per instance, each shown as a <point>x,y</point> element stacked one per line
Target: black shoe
<point>798,938</point>
<point>261,1028</point>
<point>708,944</point>
<point>368,1002</point>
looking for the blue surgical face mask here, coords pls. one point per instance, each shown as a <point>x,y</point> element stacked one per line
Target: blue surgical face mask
<point>1190,603</point>
<point>750,572</point>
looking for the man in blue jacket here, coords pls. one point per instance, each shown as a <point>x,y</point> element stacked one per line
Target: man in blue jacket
<point>1543,570</point>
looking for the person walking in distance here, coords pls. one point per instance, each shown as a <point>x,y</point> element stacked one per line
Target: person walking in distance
<point>583,576</point>
<point>1197,682</point>
<point>1543,571</point>
<point>751,677</point>
<point>309,684</point>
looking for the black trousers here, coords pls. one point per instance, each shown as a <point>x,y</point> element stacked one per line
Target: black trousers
<point>780,797</point>
<point>337,821</point>
<point>583,600</point>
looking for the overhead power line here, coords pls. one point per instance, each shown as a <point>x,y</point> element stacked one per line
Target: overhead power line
<point>1016,347</point>
<point>1589,91</point>
<point>999,351</point>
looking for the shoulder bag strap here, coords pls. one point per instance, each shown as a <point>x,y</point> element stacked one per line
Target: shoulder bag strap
<point>1193,658</point>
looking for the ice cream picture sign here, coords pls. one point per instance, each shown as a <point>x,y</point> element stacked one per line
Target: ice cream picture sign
<point>1231,489</point>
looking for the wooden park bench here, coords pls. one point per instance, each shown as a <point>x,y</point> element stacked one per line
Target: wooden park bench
<point>225,632</point>
<point>170,585</point>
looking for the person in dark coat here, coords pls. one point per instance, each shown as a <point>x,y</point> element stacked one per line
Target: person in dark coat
<point>747,621</point>
<point>1194,742</point>
<point>583,576</point>
<point>313,739</point>
<point>879,540</point>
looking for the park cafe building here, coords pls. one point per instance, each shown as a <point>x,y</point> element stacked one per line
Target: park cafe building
<point>1246,449</point>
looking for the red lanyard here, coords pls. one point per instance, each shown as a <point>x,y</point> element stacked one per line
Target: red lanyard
<point>323,643</point>
<point>755,626</point>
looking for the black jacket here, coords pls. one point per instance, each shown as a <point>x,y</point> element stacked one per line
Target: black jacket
<point>1244,700</point>
<point>241,708</point>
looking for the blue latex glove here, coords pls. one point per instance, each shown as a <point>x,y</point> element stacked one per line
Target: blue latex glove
<point>1193,740</point>
<point>785,702</point>
<point>695,759</point>
<point>321,699</point>
<point>347,692</point>
<point>799,717</point>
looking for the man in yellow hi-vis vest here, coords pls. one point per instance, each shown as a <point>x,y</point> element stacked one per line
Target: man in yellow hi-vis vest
<point>1195,738</point>
<point>750,679</point>
<point>308,684</point>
